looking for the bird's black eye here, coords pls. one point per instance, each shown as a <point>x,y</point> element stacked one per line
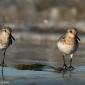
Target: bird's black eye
<point>5,30</point>
<point>70,31</point>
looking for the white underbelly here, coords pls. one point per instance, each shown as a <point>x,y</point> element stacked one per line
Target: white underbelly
<point>2,47</point>
<point>67,49</point>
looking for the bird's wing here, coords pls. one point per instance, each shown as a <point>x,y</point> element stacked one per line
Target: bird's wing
<point>11,39</point>
<point>78,38</point>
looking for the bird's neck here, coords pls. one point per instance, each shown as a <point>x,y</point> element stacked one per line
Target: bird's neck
<point>69,39</point>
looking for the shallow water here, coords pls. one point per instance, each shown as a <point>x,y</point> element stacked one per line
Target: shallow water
<point>13,76</point>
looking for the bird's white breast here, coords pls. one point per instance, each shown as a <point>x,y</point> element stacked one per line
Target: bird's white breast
<point>65,48</point>
<point>2,47</point>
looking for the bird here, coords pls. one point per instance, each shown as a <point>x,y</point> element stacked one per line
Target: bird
<point>68,44</point>
<point>6,39</point>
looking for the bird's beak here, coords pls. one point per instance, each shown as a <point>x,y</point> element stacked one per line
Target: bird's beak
<point>78,38</point>
<point>12,37</point>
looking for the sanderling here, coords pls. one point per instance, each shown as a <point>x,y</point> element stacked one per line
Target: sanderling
<point>68,44</point>
<point>6,39</point>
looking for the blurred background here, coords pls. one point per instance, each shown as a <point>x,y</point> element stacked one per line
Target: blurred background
<point>42,16</point>
<point>37,24</point>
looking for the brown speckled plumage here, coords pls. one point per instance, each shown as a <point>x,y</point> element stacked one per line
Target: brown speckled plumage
<point>68,43</point>
<point>6,39</point>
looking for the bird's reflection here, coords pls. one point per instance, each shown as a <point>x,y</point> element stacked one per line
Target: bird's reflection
<point>3,78</point>
<point>67,75</point>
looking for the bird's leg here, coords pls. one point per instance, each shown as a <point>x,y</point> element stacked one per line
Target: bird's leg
<point>64,65</point>
<point>71,61</point>
<point>3,63</point>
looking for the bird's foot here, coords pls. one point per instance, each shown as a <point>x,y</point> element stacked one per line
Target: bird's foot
<point>70,68</point>
<point>3,65</point>
<point>65,67</point>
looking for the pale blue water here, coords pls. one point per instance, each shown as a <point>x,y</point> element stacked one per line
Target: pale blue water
<point>12,76</point>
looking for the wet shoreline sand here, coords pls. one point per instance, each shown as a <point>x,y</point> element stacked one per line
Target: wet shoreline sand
<point>48,54</point>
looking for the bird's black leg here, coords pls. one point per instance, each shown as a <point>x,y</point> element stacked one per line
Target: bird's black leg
<point>71,67</point>
<point>70,63</point>
<point>3,63</point>
<point>64,65</point>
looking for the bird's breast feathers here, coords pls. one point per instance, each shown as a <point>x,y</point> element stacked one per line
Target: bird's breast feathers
<point>66,48</point>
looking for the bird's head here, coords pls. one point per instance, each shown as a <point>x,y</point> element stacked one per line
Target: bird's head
<point>6,29</point>
<point>73,32</point>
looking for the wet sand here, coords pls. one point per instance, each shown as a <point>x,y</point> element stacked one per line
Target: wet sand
<point>42,53</point>
<point>47,54</point>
